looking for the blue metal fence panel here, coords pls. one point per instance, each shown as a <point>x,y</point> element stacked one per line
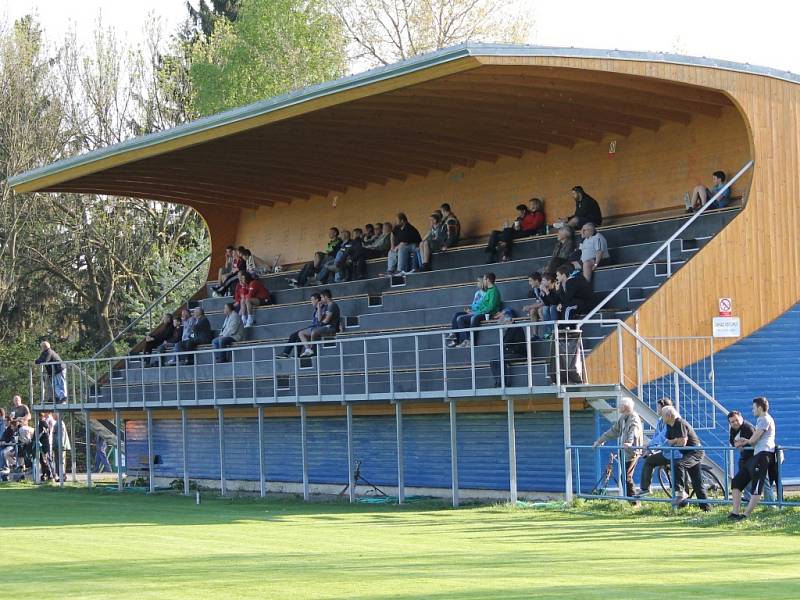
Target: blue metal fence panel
<point>482,442</point>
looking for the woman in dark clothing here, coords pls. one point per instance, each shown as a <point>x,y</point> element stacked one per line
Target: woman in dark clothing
<point>587,210</point>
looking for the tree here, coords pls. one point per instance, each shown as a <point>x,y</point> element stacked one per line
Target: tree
<point>274,46</point>
<point>204,18</point>
<point>382,32</point>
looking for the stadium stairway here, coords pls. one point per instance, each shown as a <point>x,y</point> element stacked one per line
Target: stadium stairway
<point>418,302</point>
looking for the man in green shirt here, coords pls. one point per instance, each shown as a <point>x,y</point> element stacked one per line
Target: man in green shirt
<point>475,315</point>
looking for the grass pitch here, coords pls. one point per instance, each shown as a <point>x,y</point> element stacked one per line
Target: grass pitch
<point>75,543</point>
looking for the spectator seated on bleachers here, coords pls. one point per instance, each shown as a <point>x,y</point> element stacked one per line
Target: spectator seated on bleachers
<point>329,265</point>
<point>439,238</point>
<point>169,342</point>
<point>254,265</point>
<point>250,294</point>
<point>574,293</point>
<point>330,319</point>
<point>565,246</point>
<point>369,233</point>
<point>161,334</point>
<point>587,210</point>
<point>232,280</point>
<point>593,250</point>
<point>308,270</point>
<point>701,194</point>
<point>316,317</point>
<point>199,333</point>
<point>475,314</point>
<point>351,246</point>
<point>405,240</point>
<point>16,447</point>
<point>452,223</point>
<point>232,331</point>
<point>529,221</point>
<point>377,247</point>
<point>550,300</point>
<point>227,266</point>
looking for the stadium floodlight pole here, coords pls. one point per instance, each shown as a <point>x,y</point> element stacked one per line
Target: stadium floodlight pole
<point>351,480</point>
<point>454,451</point>
<point>568,496</point>
<point>512,451</point>
<point>398,415</point>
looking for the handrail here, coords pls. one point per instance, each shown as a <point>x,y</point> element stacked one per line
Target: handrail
<point>667,243</point>
<point>149,309</point>
<point>673,366</point>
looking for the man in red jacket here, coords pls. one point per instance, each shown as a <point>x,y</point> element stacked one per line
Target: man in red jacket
<point>529,221</point>
<point>250,294</point>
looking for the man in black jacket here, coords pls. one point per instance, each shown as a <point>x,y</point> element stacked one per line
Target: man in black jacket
<point>405,239</point>
<point>586,210</point>
<point>574,292</point>
<point>56,371</point>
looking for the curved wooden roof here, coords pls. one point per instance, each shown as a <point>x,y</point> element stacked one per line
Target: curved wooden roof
<point>432,113</point>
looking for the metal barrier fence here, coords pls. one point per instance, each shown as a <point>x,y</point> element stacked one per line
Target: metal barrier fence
<point>719,477</point>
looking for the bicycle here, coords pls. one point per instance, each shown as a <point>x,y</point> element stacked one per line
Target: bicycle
<point>715,489</point>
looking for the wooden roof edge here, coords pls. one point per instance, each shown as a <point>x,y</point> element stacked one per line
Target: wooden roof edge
<point>435,64</point>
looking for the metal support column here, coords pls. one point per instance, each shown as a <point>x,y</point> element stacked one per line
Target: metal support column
<point>567,451</point>
<point>117,427</point>
<point>73,453</point>
<point>401,484</point>
<point>221,413</point>
<point>60,463</point>
<point>304,450</point>
<point>512,452</point>
<point>262,482</point>
<point>351,477</point>
<point>453,452</point>
<point>185,450</point>
<point>150,465</point>
<point>37,475</point>
<point>88,433</point>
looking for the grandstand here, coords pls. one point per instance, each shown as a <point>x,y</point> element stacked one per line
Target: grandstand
<point>482,127</point>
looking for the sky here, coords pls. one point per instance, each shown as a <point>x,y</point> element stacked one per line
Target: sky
<point>760,33</point>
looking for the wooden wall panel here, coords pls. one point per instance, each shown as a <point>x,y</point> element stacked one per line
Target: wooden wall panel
<point>650,170</point>
<point>756,259</point>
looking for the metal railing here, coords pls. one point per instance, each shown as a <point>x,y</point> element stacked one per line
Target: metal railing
<point>600,489</point>
<point>666,245</point>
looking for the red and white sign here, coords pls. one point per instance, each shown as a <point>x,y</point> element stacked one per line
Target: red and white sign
<point>725,307</point>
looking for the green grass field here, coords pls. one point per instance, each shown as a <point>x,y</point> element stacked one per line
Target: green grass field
<point>75,543</point>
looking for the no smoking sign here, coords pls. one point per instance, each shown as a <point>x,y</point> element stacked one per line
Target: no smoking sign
<point>725,307</point>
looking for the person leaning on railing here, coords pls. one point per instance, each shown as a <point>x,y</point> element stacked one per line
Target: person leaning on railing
<point>628,430</point>
<point>56,371</point>
<point>758,466</point>
<point>681,434</point>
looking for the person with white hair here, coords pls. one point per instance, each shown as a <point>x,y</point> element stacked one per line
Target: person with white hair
<point>56,371</point>
<point>680,434</point>
<point>630,433</point>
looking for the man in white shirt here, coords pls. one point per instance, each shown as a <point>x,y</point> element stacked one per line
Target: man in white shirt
<point>755,473</point>
<point>594,249</point>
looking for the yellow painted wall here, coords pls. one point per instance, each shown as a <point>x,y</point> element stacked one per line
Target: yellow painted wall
<point>650,170</point>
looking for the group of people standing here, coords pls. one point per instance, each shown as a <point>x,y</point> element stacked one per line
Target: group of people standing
<point>675,444</point>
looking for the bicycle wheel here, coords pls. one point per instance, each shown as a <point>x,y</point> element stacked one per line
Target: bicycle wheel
<point>714,487</point>
<point>664,480</point>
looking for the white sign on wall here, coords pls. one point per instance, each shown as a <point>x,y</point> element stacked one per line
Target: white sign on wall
<point>727,327</point>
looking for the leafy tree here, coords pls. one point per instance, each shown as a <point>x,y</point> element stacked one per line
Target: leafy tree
<point>382,32</point>
<point>273,46</point>
<point>205,17</point>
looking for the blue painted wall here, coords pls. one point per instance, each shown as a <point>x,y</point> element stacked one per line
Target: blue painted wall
<point>482,449</point>
<point>767,363</point>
